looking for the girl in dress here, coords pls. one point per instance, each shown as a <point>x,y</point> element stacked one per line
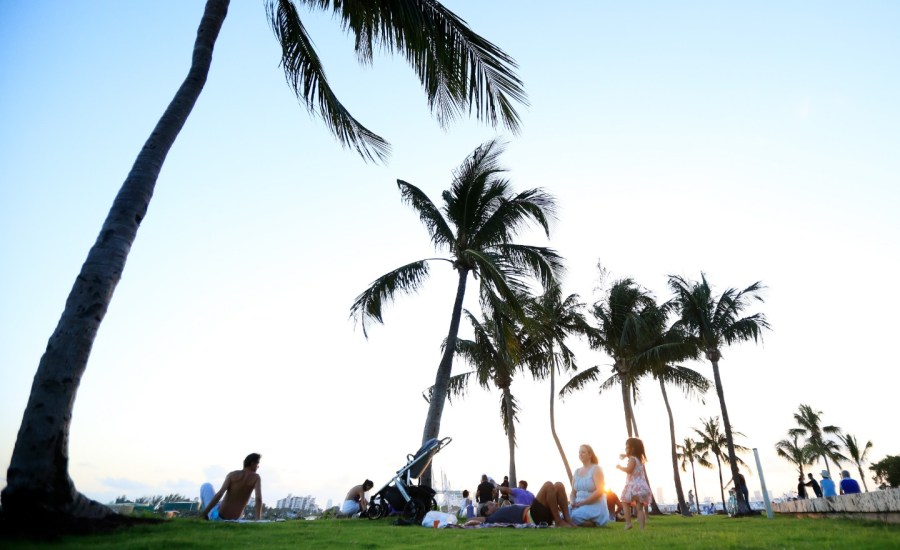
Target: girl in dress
<point>588,502</point>
<point>637,489</point>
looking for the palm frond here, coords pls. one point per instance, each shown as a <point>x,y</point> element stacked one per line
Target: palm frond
<point>441,234</point>
<point>305,75</point>
<point>579,381</point>
<point>368,306</point>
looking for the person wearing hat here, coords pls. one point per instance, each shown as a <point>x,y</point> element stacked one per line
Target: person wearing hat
<point>849,486</point>
<point>827,485</point>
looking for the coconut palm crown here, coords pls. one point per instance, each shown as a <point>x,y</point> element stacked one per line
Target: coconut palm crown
<point>476,225</point>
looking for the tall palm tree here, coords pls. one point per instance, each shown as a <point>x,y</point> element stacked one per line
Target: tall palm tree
<point>495,352</point>
<point>857,455</point>
<point>627,319</point>
<point>689,452</point>
<point>459,70</point>
<point>793,451</point>
<point>550,320</point>
<point>714,323</point>
<point>712,439</point>
<point>477,224</point>
<point>809,426</point>
<point>660,351</point>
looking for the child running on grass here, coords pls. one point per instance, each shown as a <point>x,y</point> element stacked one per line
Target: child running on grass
<point>637,489</point>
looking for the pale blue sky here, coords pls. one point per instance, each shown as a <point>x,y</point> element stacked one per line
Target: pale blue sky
<point>753,141</point>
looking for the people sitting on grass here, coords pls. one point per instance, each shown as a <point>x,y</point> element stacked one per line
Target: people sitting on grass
<point>232,498</point>
<point>550,507</point>
<point>517,495</point>
<point>589,507</point>
<point>355,502</point>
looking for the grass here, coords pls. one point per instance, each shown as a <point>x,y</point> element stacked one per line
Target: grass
<point>670,532</point>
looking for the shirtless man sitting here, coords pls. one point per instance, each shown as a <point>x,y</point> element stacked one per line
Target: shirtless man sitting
<point>236,491</point>
<point>550,506</point>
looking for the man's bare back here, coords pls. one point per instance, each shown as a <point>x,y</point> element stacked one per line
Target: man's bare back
<point>236,490</point>
<point>239,485</point>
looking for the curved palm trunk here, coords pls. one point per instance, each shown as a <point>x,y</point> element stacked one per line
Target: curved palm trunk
<point>862,477</point>
<point>696,493</point>
<point>562,454</point>
<point>626,405</point>
<point>743,505</point>
<point>511,437</point>
<point>39,488</point>
<point>679,491</point>
<point>721,484</point>
<point>442,378</point>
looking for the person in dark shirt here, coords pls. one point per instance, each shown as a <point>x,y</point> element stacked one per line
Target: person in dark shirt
<point>550,506</point>
<point>801,488</point>
<point>485,491</point>
<point>815,485</point>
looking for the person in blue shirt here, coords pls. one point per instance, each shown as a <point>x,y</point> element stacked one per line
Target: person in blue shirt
<point>849,486</point>
<point>827,485</point>
<point>520,494</point>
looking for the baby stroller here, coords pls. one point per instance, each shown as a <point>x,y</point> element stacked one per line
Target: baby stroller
<point>399,495</point>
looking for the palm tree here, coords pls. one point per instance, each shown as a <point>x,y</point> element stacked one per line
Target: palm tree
<point>495,352</point>
<point>714,323</point>
<point>477,224</point>
<point>713,440</point>
<point>809,426</point>
<point>549,321</point>
<point>459,70</point>
<point>690,382</point>
<point>857,455</point>
<point>791,450</point>
<point>689,452</point>
<point>627,317</point>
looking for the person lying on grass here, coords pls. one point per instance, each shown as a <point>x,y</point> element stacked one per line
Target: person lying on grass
<point>550,506</point>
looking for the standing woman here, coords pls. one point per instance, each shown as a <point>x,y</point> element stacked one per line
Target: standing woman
<point>588,506</point>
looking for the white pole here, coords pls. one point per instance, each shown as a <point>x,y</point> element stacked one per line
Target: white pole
<point>762,480</point>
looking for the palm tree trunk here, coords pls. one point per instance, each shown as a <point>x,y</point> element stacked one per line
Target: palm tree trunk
<point>743,505</point>
<point>721,484</point>
<point>562,454</point>
<point>511,437</point>
<point>442,378</point>
<point>696,493</point>
<point>626,406</point>
<point>679,491</point>
<point>39,488</point>
<point>862,477</point>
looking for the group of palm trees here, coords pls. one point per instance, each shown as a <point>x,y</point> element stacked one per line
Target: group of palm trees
<point>810,441</point>
<point>519,330</point>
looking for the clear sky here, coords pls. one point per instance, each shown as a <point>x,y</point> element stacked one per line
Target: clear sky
<point>751,141</point>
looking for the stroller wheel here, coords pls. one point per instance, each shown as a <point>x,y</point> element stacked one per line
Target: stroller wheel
<point>413,511</point>
<point>376,511</point>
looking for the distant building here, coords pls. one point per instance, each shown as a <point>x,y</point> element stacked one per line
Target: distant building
<point>305,504</point>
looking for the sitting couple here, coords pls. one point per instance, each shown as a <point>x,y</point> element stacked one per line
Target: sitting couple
<point>551,506</point>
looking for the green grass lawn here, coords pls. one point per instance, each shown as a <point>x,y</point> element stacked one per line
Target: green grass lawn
<point>696,533</point>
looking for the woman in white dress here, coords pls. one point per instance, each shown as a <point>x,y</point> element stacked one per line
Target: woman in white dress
<point>588,500</point>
